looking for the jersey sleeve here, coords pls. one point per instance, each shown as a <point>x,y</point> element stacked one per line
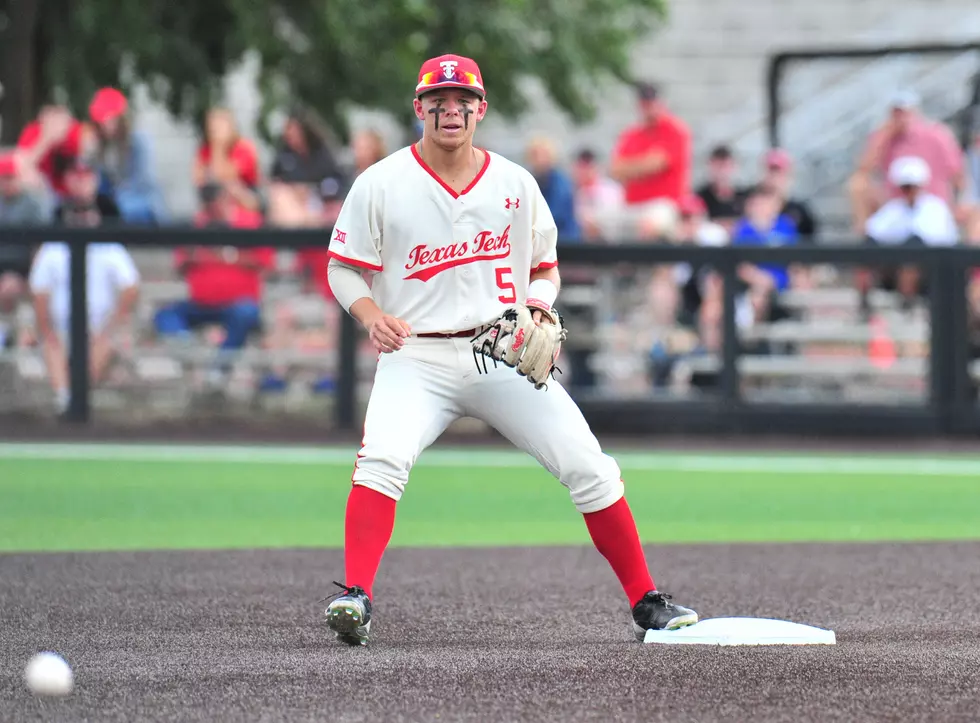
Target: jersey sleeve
<point>356,236</point>
<point>544,234</point>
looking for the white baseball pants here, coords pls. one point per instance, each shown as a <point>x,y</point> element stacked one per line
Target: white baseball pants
<point>429,383</point>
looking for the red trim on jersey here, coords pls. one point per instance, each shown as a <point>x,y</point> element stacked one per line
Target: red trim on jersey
<point>354,262</point>
<point>425,167</point>
<point>543,266</point>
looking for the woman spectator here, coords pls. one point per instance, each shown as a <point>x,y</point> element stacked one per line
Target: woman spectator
<point>123,158</point>
<point>228,159</point>
<point>303,163</point>
<point>368,148</point>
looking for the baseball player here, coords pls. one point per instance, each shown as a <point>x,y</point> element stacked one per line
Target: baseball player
<point>460,245</point>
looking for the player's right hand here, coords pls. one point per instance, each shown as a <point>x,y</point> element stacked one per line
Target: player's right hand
<point>388,333</point>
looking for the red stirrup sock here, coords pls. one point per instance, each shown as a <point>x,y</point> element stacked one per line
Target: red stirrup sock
<point>367,530</point>
<point>614,533</point>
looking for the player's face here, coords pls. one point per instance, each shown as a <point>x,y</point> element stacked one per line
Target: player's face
<point>450,116</point>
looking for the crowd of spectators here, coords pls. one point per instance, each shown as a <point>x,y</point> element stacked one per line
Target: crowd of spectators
<point>912,184</point>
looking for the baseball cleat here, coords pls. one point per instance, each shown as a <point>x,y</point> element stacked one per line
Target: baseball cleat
<point>349,615</point>
<point>655,611</point>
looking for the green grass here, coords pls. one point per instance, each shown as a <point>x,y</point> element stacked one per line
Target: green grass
<point>90,504</point>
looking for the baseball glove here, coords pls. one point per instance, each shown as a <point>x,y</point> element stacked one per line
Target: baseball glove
<point>517,341</point>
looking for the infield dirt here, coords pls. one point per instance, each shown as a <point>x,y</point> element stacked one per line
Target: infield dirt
<point>525,634</point>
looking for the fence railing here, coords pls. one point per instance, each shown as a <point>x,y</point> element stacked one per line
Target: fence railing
<point>950,409</point>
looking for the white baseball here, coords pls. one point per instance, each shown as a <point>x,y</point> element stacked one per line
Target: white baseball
<point>49,674</point>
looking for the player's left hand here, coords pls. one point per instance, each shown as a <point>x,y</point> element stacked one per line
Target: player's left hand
<point>524,338</point>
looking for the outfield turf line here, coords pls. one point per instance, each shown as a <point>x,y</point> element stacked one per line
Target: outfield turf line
<point>712,462</point>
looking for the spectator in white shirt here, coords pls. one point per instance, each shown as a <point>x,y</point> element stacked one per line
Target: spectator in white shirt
<point>915,217</point>
<point>112,287</point>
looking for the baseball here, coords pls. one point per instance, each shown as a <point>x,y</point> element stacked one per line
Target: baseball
<point>49,674</point>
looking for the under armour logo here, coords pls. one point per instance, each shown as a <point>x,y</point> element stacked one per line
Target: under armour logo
<point>515,203</point>
<point>340,237</point>
<point>449,68</point>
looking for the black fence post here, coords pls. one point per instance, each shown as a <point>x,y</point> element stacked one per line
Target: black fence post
<point>78,407</point>
<point>774,74</point>
<point>942,373</point>
<point>964,404</point>
<point>730,342</point>
<point>346,407</point>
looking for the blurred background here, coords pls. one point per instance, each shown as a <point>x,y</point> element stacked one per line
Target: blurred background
<point>784,124</point>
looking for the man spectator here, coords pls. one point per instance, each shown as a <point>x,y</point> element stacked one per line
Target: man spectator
<point>112,288</point>
<point>224,284</point>
<point>917,217</point>
<point>52,144</point>
<point>598,199</point>
<point>19,206</point>
<point>906,133</point>
<point>778,175</point>
<point>723,199</point>
<point>556,187</point>
<point>82,193</point>
<point>653,162</point>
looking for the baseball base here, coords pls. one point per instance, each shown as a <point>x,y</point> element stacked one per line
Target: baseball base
<point>743,631</point>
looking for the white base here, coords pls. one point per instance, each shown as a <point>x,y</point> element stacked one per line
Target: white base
<point>743,631</point>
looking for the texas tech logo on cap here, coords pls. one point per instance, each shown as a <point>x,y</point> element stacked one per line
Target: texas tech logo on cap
<point>450,71</point>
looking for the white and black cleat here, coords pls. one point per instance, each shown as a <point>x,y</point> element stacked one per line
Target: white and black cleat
<point>349,615</point>
<point>655,611</point>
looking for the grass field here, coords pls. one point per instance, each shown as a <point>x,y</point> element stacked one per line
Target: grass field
<point>104,497</point>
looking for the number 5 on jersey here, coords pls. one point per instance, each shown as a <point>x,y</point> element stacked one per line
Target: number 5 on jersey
<point>506,284</point>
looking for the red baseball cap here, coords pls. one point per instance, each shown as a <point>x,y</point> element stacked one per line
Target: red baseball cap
<point>107,103</point>
<point>779,159</point>
<point>692,205</point>
<point>8,164</point>
<point>450,71</point>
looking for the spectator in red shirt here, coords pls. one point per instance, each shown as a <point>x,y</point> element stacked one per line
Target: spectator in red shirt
<point>906,133</point>
<point>53,143</point>
<point>228,159</point>
<point>653,162</point>
<point>224,284</point>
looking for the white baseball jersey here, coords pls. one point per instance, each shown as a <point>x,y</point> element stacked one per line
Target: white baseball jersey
<point>445,261</point>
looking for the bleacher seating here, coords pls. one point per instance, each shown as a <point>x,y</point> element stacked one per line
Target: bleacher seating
<point>824,350</point>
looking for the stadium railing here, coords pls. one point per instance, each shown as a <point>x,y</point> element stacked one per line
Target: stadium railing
<point>950,407</point>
